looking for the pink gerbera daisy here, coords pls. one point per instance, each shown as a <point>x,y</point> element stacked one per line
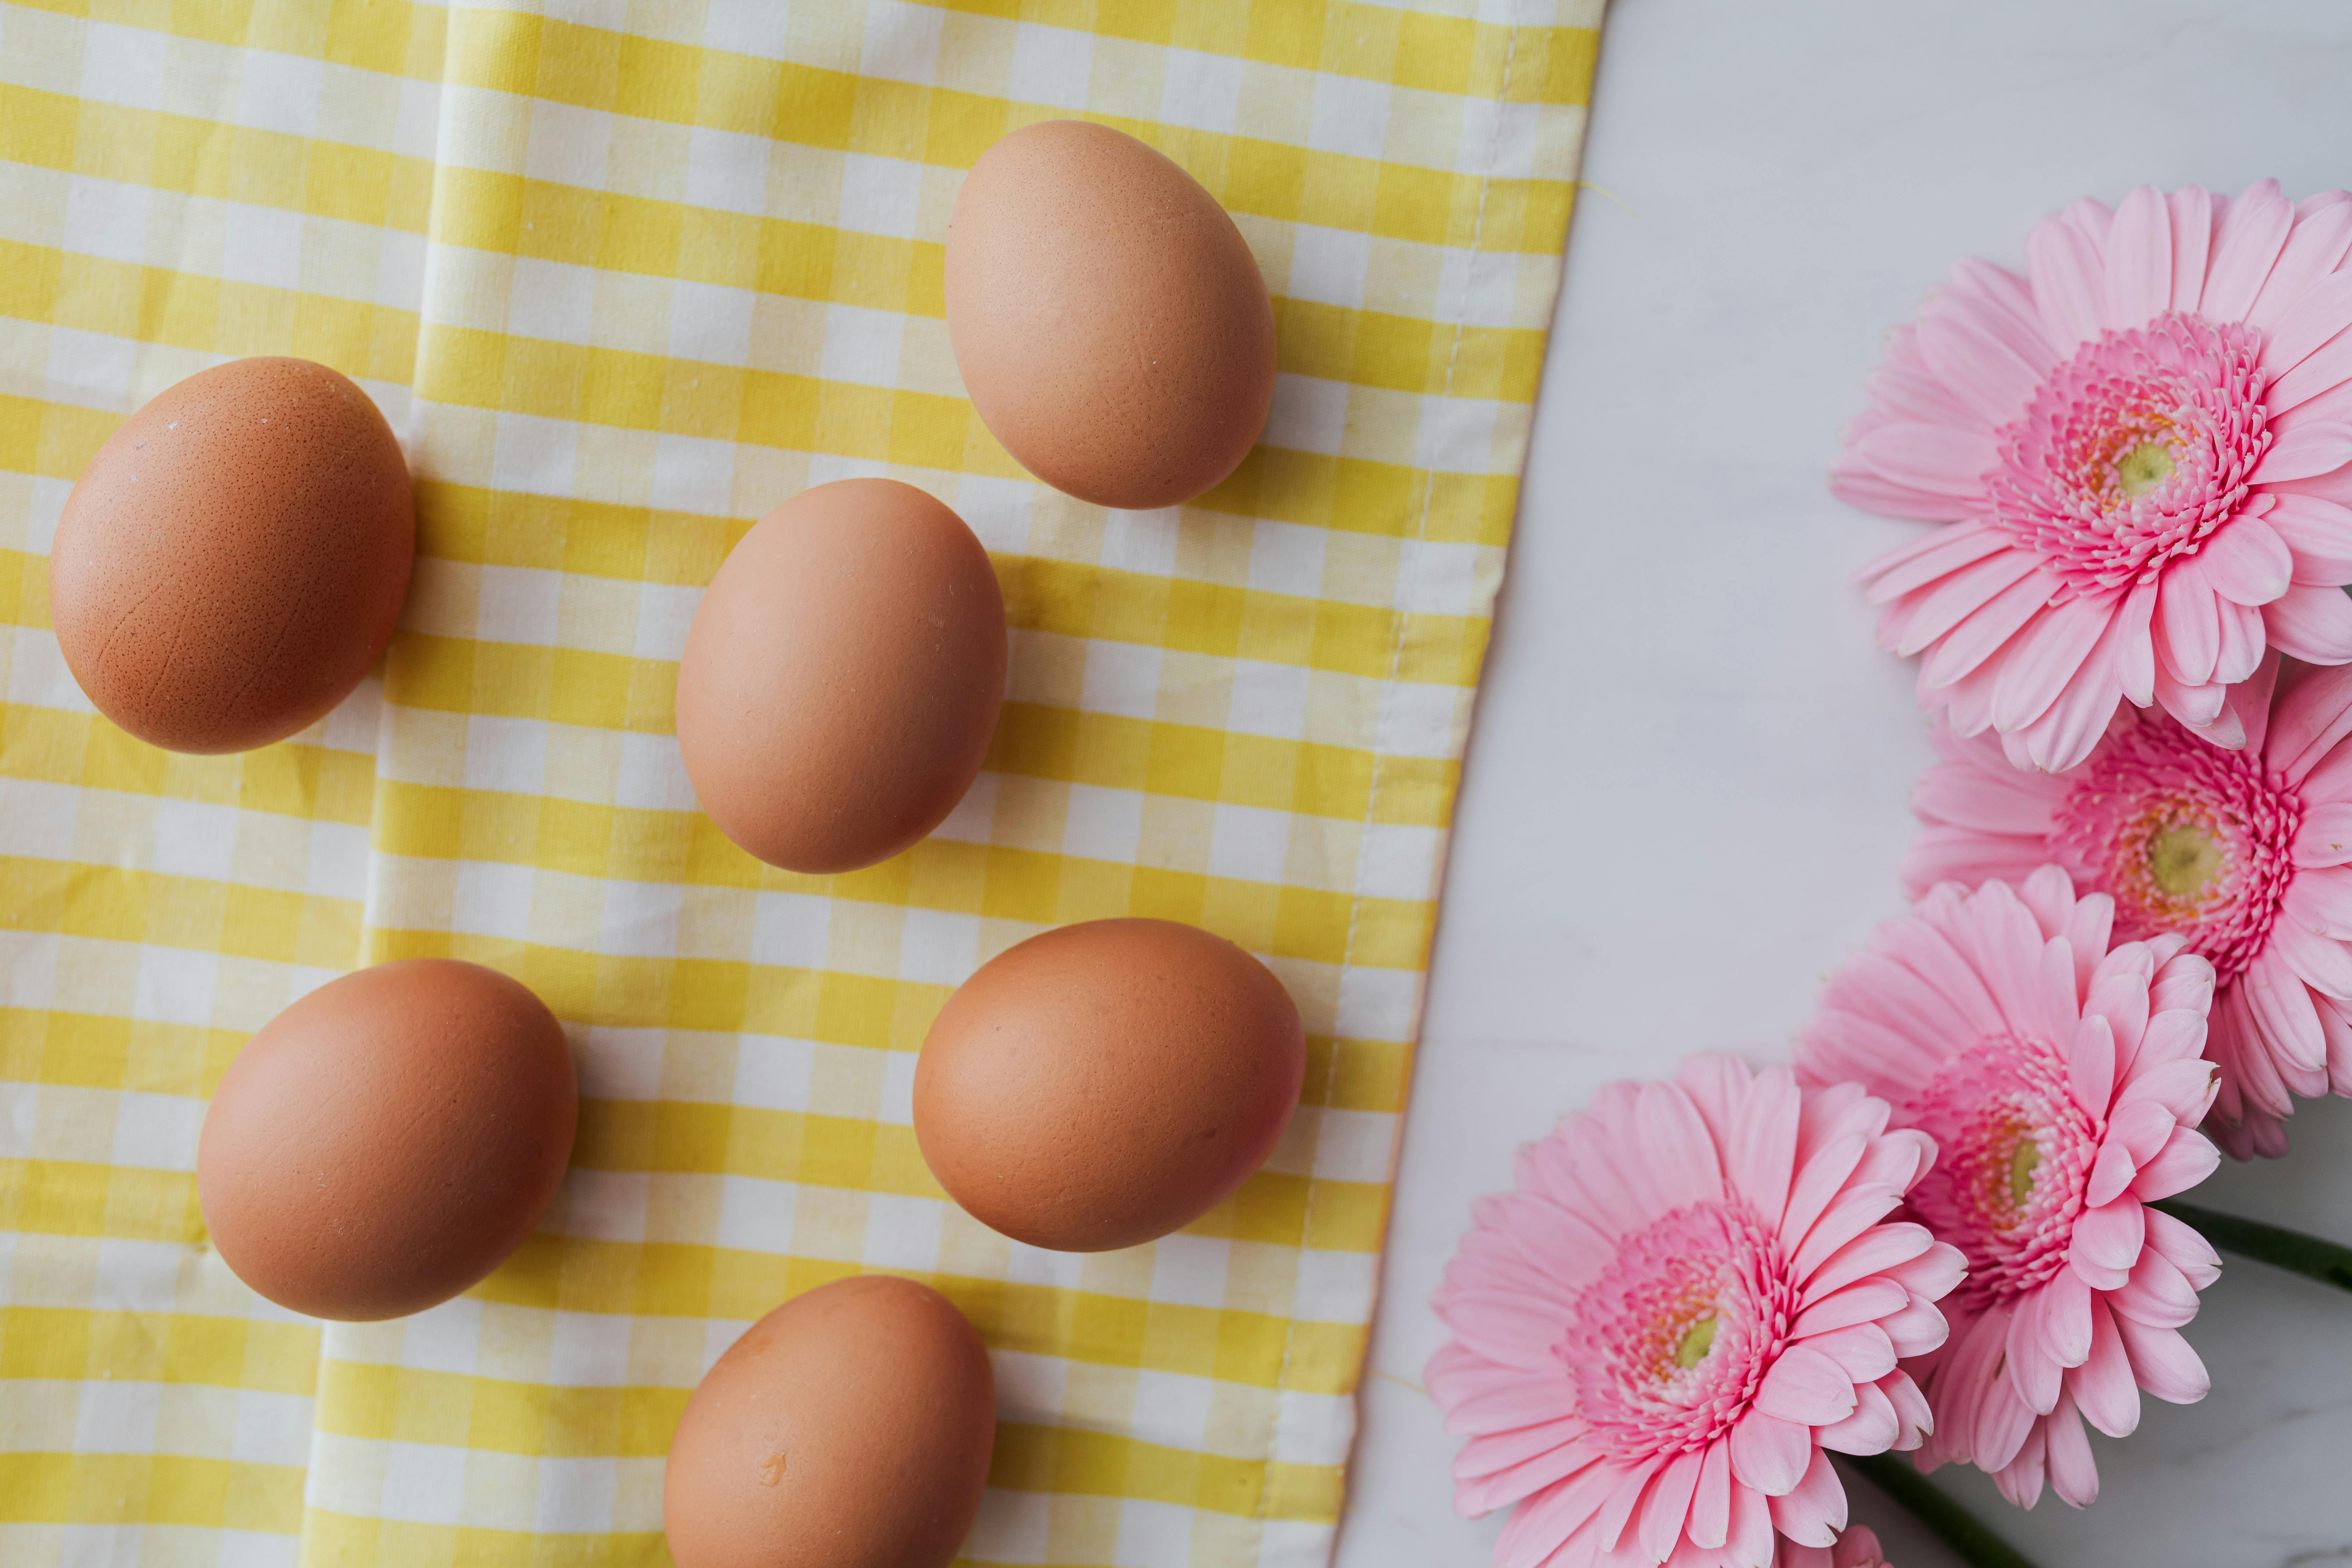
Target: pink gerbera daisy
<point>1689,1296</point>
<point>2062,1079</point>
<point>1855,1548</point>
<point>2243,854</point>
<point>2138,452</point>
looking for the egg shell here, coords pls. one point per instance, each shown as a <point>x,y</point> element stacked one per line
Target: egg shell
<point>1111,324</point>
<point>842,677</point>
<point>850,1427</point>
<point>384,1143</point>
<point>234,558</point>
<point>1101,1084</point>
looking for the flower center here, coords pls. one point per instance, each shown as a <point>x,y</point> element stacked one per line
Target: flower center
<point>1696,1341</point>
<point>2015,1156</point>
<point>2144,467</point>
<point>2133,450</point>
<point>1669,1344</point>
<point>2185,836</point>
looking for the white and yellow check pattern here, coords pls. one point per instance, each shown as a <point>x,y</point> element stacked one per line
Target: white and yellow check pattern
<point>625,279</point>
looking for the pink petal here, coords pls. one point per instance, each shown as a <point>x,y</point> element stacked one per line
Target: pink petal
<point>2302,392</point>
<point>1881,1250</point>
<point>1625,1502</point>
<point>2305,451</point>
<point>2316,244</point>
<point>2325,837</point>
<point>1875,1297</point>
<point>2283,1005</point>
<point>1853,481</point>
<point>2324,311</point>
<point>2178,1087</point>
<point>1913,1415</point>
<point>2197,707</point>
<point>1861,1352</point>
<point>2319,534</point>
<point>2048,657</point>
<point>1762,1152</point>
<point>1477,1494</point>
<point>2311,623</point>
<point>2319,962</point>
<point>2102,1386</point>
<point>2242,646</point>
<point>2139,258</point>
<point>1668,1504</point>
<point>1916,1329</point>
<point>1806,1387</point>
<point>2192,239</point>
<point>2158,1295</point>
<point>2246,562</point>
<point>2163,1364</point>
<point>2111,1172</point>
<point>1989,600</point>
<point>1987,373</point>
<point>2254,230</point>
<point>1940,459</point>
<point>2074,1474</point>
<point>2092,1070</point>
<point>2187,1158</point>
<point>1752,1541</point>
<point>1709,1525</point>
<point>2185,1248</point>
<point>2069,282</point>
<point>2106,1243</point>
<point>1545,1521</point>
<point>1769,1454</point>
<point>2189,626</point>
<point>1814,1513</point>
<point>2032,1372</point>
<point>1873,1428</point>
<point>1948,550</point>
<point>2143,1128</point>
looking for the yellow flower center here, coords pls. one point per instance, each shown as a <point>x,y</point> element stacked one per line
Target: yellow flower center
<point>2144,467</point>
<point>2024,1161</point>
<point>2181,860</point>
<point>1696,1341</point>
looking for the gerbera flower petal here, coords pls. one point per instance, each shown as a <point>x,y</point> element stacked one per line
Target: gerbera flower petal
<point>1814,1510</point>
<point>2139,258</point>
<point>2314,248</point>
<point>2158,1294</point>
<point>1624,1397</point>
<point>2314,319</point>
<point>2247,561</point>
<point>2305,451</point>
<point>2301,395</point>
<point>2185,1160</point>
<point>2162,1363</point>
<point>2069,282</point>
<point>2318,533</point>
<point>2254,230</point>
<point>2310,623</point>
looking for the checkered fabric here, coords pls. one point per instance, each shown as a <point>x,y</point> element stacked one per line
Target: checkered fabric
<point>625,279</point>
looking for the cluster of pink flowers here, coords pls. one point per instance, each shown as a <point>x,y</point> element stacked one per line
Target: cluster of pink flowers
<point>2132,918</point>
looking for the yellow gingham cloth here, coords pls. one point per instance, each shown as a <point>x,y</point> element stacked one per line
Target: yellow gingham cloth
<point>624,279</point>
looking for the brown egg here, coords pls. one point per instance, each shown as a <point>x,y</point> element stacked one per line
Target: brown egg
<point>1111,324</point>
<point>1101,1084</point>
<point>234,558</point>
<point>842,677</point>
<point>849,1428</point>
<point>384,1143</point>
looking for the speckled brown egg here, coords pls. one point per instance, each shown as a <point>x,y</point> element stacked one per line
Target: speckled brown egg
<point>384,1143</point>
<point>1103,1084</point>
<point>233,559</point>
<point>850,1427</point>
<point>1110,322</point>
<point>842,677</point>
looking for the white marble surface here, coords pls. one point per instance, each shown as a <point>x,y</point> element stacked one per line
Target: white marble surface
<point>1686,795</point>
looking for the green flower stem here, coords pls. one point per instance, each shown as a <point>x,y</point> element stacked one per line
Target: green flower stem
<point>1955,1526</point>
<point>2324,1261</point>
